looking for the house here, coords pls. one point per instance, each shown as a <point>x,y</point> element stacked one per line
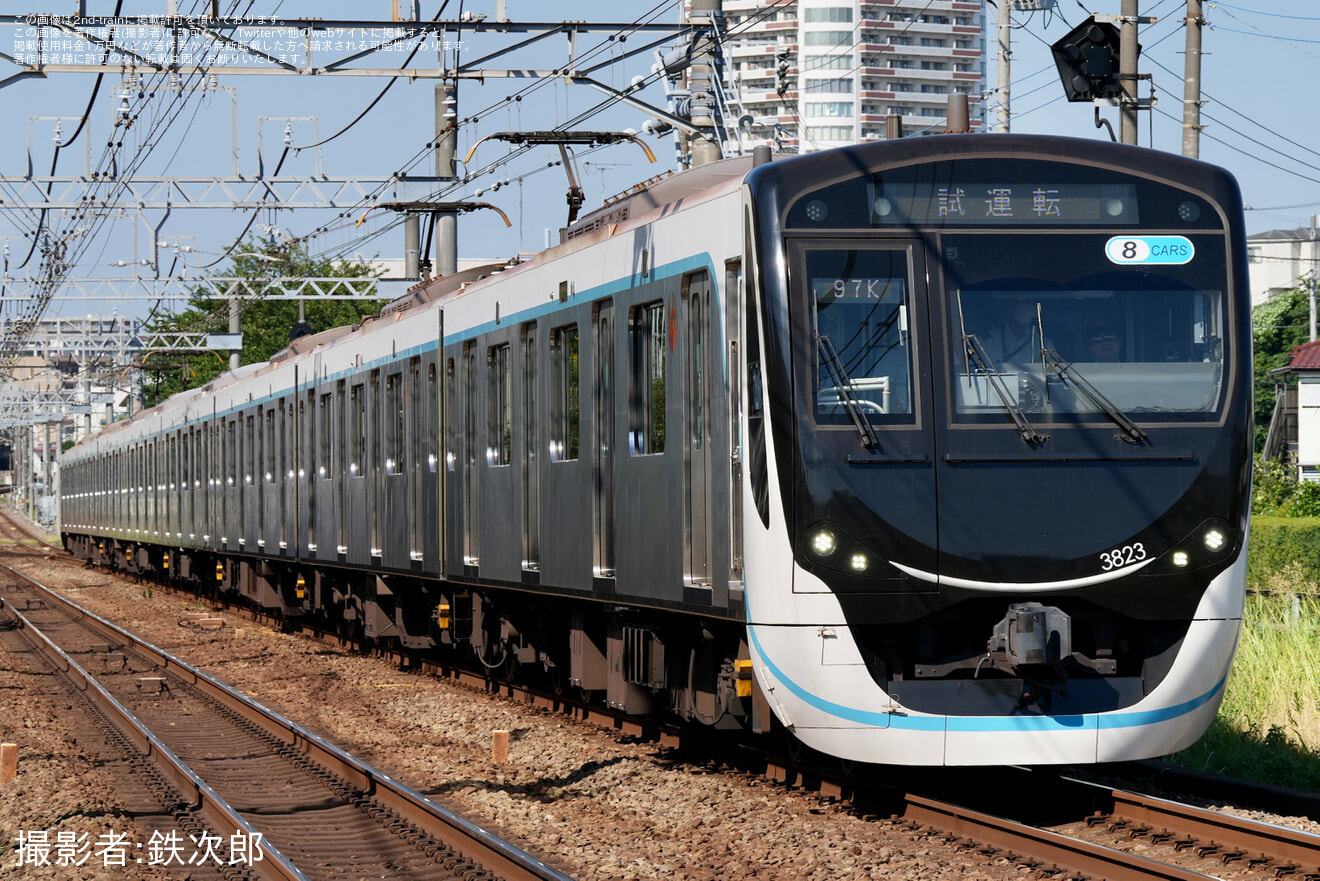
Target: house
<point>1294,432</point>
<point>1279,259</point>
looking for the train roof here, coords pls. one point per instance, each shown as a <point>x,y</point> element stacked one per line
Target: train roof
<point>658,192</point>
<point>622,212</point>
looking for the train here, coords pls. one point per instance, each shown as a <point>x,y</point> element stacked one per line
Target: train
<point>930,451</point>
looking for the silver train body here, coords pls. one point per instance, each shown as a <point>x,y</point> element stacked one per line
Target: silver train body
<point>673,463</point>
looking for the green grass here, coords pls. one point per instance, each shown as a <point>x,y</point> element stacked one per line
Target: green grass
<point>1268,728</point>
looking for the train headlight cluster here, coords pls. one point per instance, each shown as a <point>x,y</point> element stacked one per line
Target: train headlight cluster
<point>830,547</point>
<point>1206,545</point>
<point>824,543</point>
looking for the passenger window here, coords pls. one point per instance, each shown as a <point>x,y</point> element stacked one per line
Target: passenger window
<point>499,411</point>
<point>394,423</point>
<point>564,426</point>
<point>646,395</point>
<point>357,430</point>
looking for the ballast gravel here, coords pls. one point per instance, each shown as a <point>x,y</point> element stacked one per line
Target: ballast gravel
<point>591,803</point>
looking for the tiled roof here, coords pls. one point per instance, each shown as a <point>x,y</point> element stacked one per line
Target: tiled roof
<point>1306,357</point>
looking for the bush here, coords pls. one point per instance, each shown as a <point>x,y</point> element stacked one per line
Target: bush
<point>1272,486</point>
<point>1305,501</point>
<point>1280,544</point>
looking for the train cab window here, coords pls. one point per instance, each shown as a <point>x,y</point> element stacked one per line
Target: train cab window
<point>564,398</point>
<point>499,410</point>
<point>394,416</point>
<point>647,344</point>
<point>861,361</point>
<point>357,430</point>
<point>1075,338</point>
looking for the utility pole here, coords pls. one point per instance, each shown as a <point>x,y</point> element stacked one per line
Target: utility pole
<point>234,329</point>
<point>1127,71</point>
<point>1005,63</point>
<point>446,141</point>
<point>1191,141</point>
<point>705,101</point>
<point>1311,282</point>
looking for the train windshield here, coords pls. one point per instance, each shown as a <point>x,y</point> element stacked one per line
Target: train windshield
<point>859,312</point>
<point>1071,334</point>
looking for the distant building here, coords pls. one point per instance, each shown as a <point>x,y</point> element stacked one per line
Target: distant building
<point>1294,431</point>
<point>821,73</point>
<point>1279,260</point>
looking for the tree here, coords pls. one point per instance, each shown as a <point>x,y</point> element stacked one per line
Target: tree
<point>266,325</point>
<point>1277,327</point>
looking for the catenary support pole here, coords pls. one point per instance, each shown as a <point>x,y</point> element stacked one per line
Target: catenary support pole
<point>705,104</point>
<point>1191,140</point>
<point>1005,63</point>
<point>1127,71</point>
<point>446,140</point>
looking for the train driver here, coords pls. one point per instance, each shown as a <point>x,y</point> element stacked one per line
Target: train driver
<point>1104,344</point>
<point>1017,339</point>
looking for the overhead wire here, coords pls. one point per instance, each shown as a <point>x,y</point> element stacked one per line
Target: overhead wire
<point>62,254</point>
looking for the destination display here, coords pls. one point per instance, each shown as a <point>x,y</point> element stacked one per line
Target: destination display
<point>975,202</point>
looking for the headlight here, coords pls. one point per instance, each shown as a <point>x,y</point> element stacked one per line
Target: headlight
<point>823,542</point>
<point>1205,545</point>
<point>825,545</point>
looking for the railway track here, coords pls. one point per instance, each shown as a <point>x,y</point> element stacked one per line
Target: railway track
<point>1128,835</point>
<point>1094,831</point>
<point>245,778</point>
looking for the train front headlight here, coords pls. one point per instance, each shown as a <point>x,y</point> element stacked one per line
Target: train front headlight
<point>1206,545</point>
<point>825,545</point>
<point>823,542</point>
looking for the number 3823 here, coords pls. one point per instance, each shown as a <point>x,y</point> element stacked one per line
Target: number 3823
<point>1124,556</point>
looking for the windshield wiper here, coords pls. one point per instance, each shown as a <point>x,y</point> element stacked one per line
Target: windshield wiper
<point>1132,433</point>
<point>843,386</point>
<point>975,353</point>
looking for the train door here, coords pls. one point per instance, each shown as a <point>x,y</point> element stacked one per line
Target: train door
<point>353,514</point>
<point>252,527</point>
<point>308,462</point>
<point>289,476</point>
<point>270,478</point>
<point>395,535</point>
<point>531,465</point>
<point>468,443</point>
<point>603,347</point>
<point>375,484</point>
<point>418,512</point>
<point>697,489</point>
<point>733,299</point>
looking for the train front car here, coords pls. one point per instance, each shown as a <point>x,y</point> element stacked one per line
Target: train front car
<point>999,403</point>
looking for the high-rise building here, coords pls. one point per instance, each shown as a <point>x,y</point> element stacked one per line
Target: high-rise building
<point>820,73</point>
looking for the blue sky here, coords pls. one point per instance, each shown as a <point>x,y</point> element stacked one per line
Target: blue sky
<point>1259,55</point>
